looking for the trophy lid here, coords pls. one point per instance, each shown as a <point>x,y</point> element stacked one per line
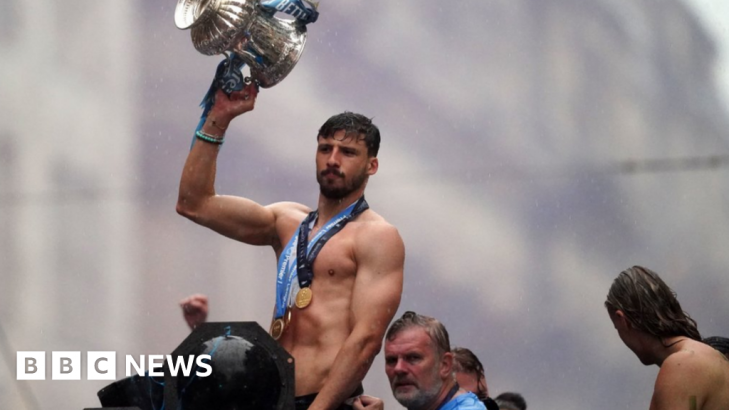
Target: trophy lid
<point>189,13</point>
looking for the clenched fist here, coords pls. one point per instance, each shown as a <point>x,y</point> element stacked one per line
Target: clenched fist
<point>194,310</point>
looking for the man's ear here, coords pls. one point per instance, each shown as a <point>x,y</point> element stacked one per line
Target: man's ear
<point>446,365</point>
<point>620,318</point>
<point>372,166</point>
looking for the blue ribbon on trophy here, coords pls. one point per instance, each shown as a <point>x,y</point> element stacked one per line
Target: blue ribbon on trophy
<point>229,78</point>
<point>302,10</point>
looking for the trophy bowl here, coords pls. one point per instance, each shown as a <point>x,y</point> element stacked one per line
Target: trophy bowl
<point>271,46</point>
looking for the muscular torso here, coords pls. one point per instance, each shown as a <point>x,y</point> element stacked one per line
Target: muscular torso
<point>316,333</point>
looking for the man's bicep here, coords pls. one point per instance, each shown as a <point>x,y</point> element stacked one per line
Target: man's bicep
<point>378,286</point>
<point>241,219</point>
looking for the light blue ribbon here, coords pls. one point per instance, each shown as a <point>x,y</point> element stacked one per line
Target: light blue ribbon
<point>287,271</point>
<point>229,78</point>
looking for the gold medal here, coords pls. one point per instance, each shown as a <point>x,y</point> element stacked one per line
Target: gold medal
<point>303,298</point>
<point>277,328</point>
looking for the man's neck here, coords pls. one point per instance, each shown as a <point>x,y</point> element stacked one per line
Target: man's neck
<point>328,207</point>
<point>668,346</point>
<point>447,386</point>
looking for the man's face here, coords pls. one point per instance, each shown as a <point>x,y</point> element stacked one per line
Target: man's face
<point>342,165</point>
<point>414,368</point>
<point>630,336</point>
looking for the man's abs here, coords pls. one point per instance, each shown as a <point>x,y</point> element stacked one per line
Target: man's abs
<point>316,334</point>
<point>314,339</point>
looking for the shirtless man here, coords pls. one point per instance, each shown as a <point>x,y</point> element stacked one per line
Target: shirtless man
<point>650,321</point>
<point>356,279</point>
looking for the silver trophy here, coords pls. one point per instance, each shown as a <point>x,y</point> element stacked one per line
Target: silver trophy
<point>269,45</point>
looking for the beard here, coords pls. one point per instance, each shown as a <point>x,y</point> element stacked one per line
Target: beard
<point>419,399</point>
<point>339,192</point>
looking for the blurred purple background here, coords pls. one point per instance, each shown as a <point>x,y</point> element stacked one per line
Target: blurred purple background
<point>531,151</point>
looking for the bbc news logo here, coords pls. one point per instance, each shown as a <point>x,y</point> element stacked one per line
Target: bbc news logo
<point>102,365</point>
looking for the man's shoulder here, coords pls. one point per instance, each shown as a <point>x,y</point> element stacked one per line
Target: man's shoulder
<point>374,230</point>
<point>288,217</point>
<point>288,207</point>
<point>695,364</point>
<point>370,222</point>
<point>289,212</point>
<point>466,401</point>
<point>377,243</point>
<point>694,355</point>
<point>370,216</point>
<point>697,371</point>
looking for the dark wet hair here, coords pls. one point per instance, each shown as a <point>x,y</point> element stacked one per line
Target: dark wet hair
<point>511,401</point>
<point>353,125</point>
<point>465,361</point>
<point>649,304</point>
<point>437,332</point>
<point>719,343</point>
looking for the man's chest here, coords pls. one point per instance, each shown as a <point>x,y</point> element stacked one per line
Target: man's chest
<point>336,261</point>
<point>331,257</point>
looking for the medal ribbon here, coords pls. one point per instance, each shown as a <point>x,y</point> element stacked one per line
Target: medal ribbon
<point>305,274</point>
<point>450,395</point>
<point>288,261</point>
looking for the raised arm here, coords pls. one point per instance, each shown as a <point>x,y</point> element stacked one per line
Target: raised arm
<point>235,217</point>
<point>380,255</point>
